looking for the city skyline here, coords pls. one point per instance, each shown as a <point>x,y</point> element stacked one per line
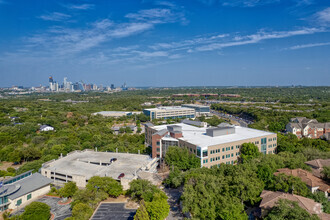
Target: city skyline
<point>166,43</point>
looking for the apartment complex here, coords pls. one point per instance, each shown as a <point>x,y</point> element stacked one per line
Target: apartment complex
<point>80,166</point>
<point>169,112</point>
<point>213,146</point>
<point>199,109</point>
<point>311,128</point>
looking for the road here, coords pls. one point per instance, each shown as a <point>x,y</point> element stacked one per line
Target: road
<point>241,121</point>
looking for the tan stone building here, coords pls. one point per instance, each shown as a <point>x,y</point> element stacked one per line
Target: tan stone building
<point>20,190</point>
<point>213,146</point>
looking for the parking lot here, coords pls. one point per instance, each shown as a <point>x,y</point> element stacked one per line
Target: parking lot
<point>60,211</point>
<point>110,211</point>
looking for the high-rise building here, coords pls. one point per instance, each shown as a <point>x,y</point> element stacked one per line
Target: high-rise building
<point>112,86</point>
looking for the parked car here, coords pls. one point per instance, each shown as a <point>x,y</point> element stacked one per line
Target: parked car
<point>121,175</point>
<point>113,160</point>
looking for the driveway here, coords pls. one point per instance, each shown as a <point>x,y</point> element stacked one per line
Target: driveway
<point>60,211</point>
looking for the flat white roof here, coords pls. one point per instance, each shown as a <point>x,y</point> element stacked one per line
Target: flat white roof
<point>169,108</point>
<point>198,137</point>
<point>77,163</point>
<point>195,105</point>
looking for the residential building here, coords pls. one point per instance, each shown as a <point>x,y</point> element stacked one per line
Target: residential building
<point>304,127</point>
<point>270,199</point>
<point>199,109</point>
<point>212,145</point>
<point>313,183</point>
<point>46,128</point>
<point>80,166</point>
<point>22,189</point>
<point>169,112</point>
<point>317,166</point>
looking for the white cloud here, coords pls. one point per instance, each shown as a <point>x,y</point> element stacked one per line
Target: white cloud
<point>55,16</point>
<point>323,16</point>
<point>297,47</point>
<point>157,15</point>
<point>256,38</point>
<point>81,7</point>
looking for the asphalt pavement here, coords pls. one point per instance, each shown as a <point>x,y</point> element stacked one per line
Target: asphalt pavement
<point>112,211</point>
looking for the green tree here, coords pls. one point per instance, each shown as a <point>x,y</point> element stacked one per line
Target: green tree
<point>158,208</point>
<point>82,211</point>
<point>68,190</point>
<point>141,212</point>
<point>286,209</point>
<point>36,211</point>
<point>105,184</point>
<point>326,173</point>
<point>248,152</point>
<point>142,189</point>
<point>289,183</point>
<point>181,158</point>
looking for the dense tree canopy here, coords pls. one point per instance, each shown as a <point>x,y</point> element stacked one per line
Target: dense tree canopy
<point>181,158</point>
<point>36,210</point>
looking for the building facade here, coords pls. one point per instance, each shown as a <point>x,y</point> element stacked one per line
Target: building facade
<point>169,112</point>
<point>212,145</point>
<point>199,109</point>
<point>22,189</point>
<point>304,127</point>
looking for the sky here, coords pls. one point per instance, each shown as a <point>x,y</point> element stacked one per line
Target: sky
<point>165,43</point>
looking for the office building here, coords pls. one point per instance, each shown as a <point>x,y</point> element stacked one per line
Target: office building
<point>169,112</point>
<point>199,109</point>
<point>19,190</point>
<point>213,145</point>
<point>80,166</point>
<point>115,114</point>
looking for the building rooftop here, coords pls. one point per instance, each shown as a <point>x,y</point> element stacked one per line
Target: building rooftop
<point>196,105</point>
<point>197,136</point>
<point>269,200</point>
<point>306,177</point>
<point>87,163</point>
<point>24,186</point>
<point>165,108</point>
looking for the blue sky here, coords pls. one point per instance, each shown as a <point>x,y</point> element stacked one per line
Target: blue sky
<point>166,43</point>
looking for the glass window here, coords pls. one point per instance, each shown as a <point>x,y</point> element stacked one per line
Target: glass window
<point>29,196</point>
<point>19,202</point>
<point>232,147</point>
<point>205,153</point>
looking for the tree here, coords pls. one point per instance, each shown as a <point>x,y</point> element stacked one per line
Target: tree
<point>289,183</point>
<point>181,158</point>
<point>105,184</point>
<point>158,208</point>
<point>141,212</point>
<point>248,152</point>
<point>36,210</point>
<point>142,189</point>
<point>82,211</point>
<point>286,209</point>
<point>326,173</point>
<point>175,178</point>
<point>68,190</point>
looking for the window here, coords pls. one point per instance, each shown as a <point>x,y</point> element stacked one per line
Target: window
<point>223,156</point>
<point>19,202</point>
<point>232,155</point>
<point>223,149</point>
<point>158,149</point>
<point>232,147</point>
<point>204,153</point>
<point>29,196</point>
<point>157,143</point>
